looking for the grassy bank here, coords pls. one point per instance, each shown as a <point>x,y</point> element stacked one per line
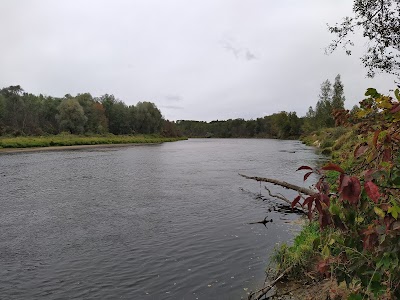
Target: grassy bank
<point>73,140</point>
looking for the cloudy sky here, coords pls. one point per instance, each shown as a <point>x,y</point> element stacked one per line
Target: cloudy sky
<point>195,59</point>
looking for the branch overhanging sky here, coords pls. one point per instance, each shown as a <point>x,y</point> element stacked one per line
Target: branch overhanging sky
<point>197,60</point>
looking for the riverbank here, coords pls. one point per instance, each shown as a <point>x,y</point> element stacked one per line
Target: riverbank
<point>67,148</point>
<point>74,142</point>
<point>301,255</point>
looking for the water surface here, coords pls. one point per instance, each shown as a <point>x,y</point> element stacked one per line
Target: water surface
<point>165,221</point>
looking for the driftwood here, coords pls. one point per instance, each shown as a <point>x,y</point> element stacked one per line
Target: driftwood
<point>264,222</point>
<point>261,292</point>
<point>282,184</point>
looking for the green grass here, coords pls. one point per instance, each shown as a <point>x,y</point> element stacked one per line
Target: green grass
<point>73,140</point>
<point>300,254</point>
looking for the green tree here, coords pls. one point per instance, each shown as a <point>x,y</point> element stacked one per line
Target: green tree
<point>379,22</point>
<point>148,118</point>
<point>71,116</point>
<point>323,109</point>
<point>13,107</point>
<point>48,114</point>
<point>338,94</point>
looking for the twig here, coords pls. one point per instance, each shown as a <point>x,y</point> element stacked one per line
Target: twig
<point>260,293</point>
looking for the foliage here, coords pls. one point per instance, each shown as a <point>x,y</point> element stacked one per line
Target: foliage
<point>281,125</point>
<point>22,113</point>
<point>72,117</point>
<point>358,208</point>
<point>330,99</point>
<point>379,22</point>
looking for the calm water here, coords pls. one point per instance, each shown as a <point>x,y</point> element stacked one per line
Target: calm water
<point>163,221</point>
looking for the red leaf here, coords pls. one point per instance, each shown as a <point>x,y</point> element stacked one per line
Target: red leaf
<point>395,108</point>
<point>324,219</point>
<point>308,200</point>
<point>387,155</point>
<point>318,206</point>
<point>372,191</point>
<point>323,267</point>
<point>360,150</point>
<point>370,240</point>
<point>368,174</point>
<point>307,175</point>
<point>325,199</point>
<point>375,139</point>
<point>295,201</point>
<point>350,189</point>
<point>332,167</point>
<point>304,168</point>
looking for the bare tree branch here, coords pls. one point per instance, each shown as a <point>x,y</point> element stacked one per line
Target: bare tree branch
<point>282,184</point>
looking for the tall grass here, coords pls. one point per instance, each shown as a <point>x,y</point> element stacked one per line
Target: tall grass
<point>300,254</point>
<point>72,140</point>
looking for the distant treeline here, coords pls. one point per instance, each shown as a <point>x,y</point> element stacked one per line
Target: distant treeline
<point>23,113</point>
<point>281,125</point>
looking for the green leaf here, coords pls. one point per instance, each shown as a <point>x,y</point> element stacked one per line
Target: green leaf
<point>334,209</point>
<point>379,212</point>
<point>397,94</point>
<point>394,211</point>
<point>355,297</point>
<point>326,252</point>
<point>371,92</point>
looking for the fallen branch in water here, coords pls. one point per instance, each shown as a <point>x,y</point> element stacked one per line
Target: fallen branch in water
<point>280,196</point>
<point>282,184</point>
<point>261,292</point>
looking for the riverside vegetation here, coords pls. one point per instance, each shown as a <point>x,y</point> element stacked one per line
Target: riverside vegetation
<point>67,139</point>
<point>27,120</point>
<point>353,240</point>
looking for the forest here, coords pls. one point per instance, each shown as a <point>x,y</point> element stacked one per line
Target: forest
<point>281,125</point>
<point>25,114</point>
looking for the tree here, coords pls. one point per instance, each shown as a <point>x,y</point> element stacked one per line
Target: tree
<point>323,109</point>
<point>71,116</point>
<point>337,94</point>
<point>379,22</point>
<point>148,118</point>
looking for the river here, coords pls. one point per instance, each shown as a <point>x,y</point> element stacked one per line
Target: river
<point>166,221</point>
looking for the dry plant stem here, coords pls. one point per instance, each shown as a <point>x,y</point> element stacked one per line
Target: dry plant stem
<point>261,293</point>
<point>282,184</point>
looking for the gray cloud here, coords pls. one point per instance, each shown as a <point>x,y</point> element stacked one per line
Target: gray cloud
<point>249,55</point>
<point>173,98</point>
<point>229,58</point>
<point>239,52</point>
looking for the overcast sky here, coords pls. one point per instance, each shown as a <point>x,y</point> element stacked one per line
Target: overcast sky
<point>195,59</point>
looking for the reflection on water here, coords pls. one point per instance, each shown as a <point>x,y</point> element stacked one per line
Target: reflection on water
<point>164,221</point>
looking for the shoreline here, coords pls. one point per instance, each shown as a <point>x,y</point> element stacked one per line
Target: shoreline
<point>73,147</point>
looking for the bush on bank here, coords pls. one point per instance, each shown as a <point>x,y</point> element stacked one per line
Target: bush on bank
<point>356,205</point>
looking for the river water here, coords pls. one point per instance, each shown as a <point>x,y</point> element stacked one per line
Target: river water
<point>166,221</point>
